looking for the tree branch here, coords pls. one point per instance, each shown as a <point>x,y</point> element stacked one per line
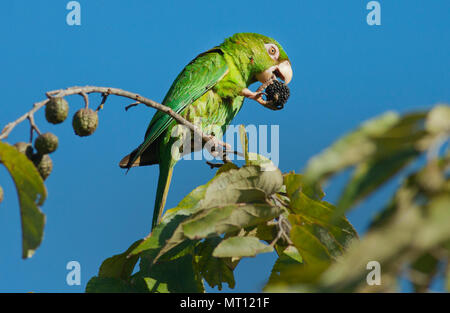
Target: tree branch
<point>106,91</point>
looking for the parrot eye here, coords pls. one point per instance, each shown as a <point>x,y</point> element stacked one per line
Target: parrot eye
<point>272,50</point>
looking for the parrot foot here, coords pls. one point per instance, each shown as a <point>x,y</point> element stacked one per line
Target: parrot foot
<point>215,143</point>
<point>254,95</point>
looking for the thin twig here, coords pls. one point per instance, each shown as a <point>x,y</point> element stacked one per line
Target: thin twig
<point>84,91</point>
<point>33,127</point>
<point>131,105</point>
<point>282,233</point>
<point>104,97</point>
<point>86,99</point>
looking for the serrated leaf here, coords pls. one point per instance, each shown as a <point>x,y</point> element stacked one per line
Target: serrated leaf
<point>214,270</point>
<point>219,220</point>
<point>226,188</point>
<point>321,213</point>
<point>238,247</point>
<point>32,194</point>
<point>224,208</point>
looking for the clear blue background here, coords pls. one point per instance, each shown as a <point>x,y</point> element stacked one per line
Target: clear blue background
<point>344,72</point>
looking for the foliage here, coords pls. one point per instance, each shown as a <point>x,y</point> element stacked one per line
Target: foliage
<point>253,209</point>
<point>410,237</point>
<point>256,209</point>
<point>32,194</point>
<point>240,213</point>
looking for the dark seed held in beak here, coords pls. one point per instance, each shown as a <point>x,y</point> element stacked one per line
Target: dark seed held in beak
<point>277,95</point>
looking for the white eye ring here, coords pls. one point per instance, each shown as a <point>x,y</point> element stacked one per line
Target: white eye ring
<point>272,50</point>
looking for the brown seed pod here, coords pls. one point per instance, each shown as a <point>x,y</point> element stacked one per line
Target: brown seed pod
<point>44,164</point>
<point>56,110</point>
<point>85,122</point>
<point>46,143</point>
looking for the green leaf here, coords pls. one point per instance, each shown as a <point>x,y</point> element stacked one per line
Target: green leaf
<point>308,245</point>
<point>349,150</point>
<point>379,149</point>
<point>288,275</point>
<point>214,270</point>
<point>264,163</point>
<point>307,204</point>
<point>108,285</point>
<point>238,247</point>
<point>120,266</point>
<point>318,216</point>
<point>216,221</point>
<point>414,230</point>
<point>233,186</point>
<point>160,234</point>
<point>175,275</point>
<point>296,182</point>
<point>422,271</point>
<point>292,252</point>
<point>226,207</point>
<point>219,220</point>
<point>395,149</point>
<point>226,167</point>
<point>171,219</point>
<point>266,232</point>
<point>32,194</point>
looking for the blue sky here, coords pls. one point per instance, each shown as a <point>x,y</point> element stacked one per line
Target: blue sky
<point>344,72</point>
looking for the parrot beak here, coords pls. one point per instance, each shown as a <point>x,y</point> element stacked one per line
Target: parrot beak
<point>282,71</point>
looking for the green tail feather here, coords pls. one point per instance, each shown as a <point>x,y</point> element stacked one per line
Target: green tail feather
<point>165,176</point>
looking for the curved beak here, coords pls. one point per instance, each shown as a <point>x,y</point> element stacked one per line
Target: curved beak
<point>282,71</point>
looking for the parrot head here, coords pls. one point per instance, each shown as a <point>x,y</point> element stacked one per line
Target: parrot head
<point>263,57</point>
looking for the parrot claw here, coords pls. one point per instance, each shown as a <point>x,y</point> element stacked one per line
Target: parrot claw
<point>217,143</point>
<point>254,95</point>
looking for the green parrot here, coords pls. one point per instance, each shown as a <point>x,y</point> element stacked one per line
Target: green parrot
<point>210,90</point>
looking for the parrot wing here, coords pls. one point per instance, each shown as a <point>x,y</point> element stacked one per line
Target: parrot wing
<point>199,76</point>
